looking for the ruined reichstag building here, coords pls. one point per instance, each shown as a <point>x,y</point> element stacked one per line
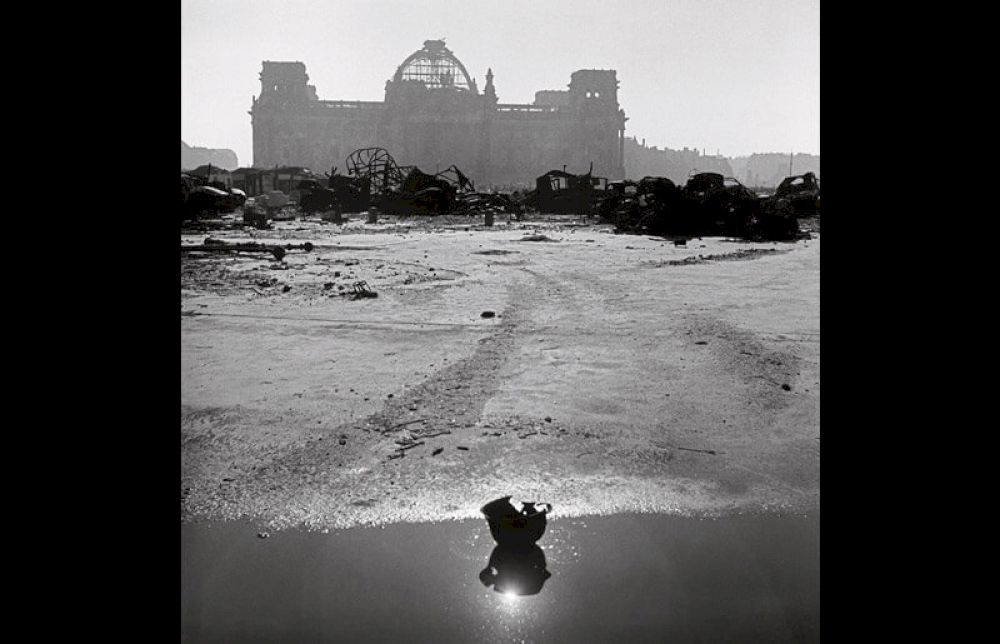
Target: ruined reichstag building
<point>434,116</point>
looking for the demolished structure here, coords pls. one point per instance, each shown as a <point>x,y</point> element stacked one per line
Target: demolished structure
<point>434,116</point>
<point>558,191</point>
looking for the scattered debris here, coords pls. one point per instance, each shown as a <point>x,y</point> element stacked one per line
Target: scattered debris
<point>537,237</point>
<point>213,245</point>
<point>409,422</point>
<point>742,254</point>
<point>703,451</point>
<point>361,291</point>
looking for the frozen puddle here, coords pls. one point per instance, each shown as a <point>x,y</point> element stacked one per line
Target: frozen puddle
<point>630,577</point>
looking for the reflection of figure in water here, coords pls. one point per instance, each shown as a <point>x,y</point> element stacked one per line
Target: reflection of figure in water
<point>515,570</point>
<point>517,565</point>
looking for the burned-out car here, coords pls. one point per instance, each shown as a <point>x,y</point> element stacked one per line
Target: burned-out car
<point>797,195</point>
<point>621,205</point>
<point>650,205</point>
<point>708,204</point>
<point>718,205</point>
<point>200,199</point>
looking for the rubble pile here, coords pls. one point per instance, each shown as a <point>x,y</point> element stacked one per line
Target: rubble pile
<point>708,204</point>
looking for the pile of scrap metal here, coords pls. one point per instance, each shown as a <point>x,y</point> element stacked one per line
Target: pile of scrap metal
<point>708,204</point>
<point>558,191</point>
<point>418,194</point>
<point>489,204</point>
<point>407,190</point>
<point>201,199</point>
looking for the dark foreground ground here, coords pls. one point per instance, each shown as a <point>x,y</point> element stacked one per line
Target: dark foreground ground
<point>634,578</point>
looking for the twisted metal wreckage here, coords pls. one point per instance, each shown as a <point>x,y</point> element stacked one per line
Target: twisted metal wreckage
<point>707,204</point>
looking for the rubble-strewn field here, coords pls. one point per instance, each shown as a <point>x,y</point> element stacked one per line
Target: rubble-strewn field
<point>549,359</point>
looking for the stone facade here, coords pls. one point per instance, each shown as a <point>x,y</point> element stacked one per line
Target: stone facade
<point>434,116</point>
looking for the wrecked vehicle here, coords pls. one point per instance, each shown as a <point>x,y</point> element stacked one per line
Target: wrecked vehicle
<point>797,195</point>
<point>772,225</point>
<point>420,193</point>
<point>201,199</point>
<point>718,205</point>
<point>621,206</point>
<point>561,192</point>
<point>708,204</point>
<point>340,195</point>
<point>650,205</point>
<point>351,194</point>
<point>314,197</point>
<point>354,193</point>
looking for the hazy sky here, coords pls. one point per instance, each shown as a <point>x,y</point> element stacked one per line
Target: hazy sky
<point>727,76</point>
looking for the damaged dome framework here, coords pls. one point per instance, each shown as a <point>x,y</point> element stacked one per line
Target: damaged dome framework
<point>434,116</point>
<point>435,66</point>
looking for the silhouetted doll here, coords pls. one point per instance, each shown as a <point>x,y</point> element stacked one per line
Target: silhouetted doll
<point>510,526</point>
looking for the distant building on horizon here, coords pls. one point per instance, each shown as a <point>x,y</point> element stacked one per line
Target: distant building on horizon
<point>194,156</point>
<point>434,116</point>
